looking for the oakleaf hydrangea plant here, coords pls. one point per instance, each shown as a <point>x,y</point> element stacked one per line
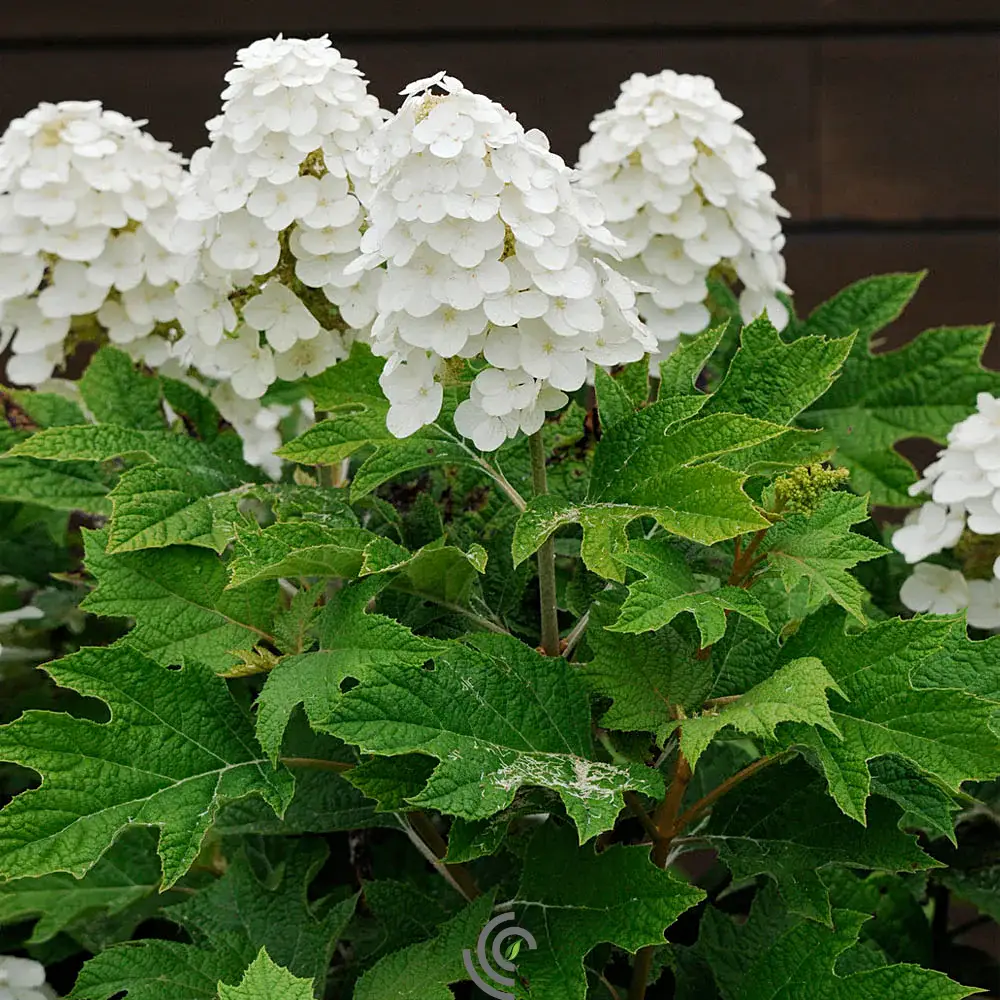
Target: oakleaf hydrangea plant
<point>428,570</point>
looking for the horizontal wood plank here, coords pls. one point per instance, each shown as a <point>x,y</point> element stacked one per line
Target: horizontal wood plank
<point>961,288</point>
<point>553,85</point>
<point>237,18</point>
<point>909,128</point>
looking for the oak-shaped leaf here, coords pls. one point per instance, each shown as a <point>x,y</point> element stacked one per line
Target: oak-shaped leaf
<point>781,823</point>
<point>179,601</point>
<point>921,389</point>
<point>498,716</point>
<point>265,980</point>
<point>670,588</point>
<point>572,899</point>
<point>176,747</point>
<point>943,731</point>
<point>262,901</point>
<point>777,954</point>
<point>820,548</point>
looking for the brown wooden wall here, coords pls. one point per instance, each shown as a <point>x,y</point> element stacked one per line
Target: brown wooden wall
<point>880,118</point>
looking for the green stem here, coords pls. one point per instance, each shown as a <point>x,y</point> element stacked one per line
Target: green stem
<point>503,482</point>
<point>546,555</point>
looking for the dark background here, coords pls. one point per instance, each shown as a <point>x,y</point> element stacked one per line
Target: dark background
<point>880,118</point>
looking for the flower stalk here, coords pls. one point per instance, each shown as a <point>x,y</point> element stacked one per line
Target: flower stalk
<point>546,555</point>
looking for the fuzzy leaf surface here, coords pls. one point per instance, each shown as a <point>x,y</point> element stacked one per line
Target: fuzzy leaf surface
<point>572,899</point>
<point>820,548</point>
<point>670,588</point>
<point>774,954</point>
<point>178,598</point>
<point>115,393</point>
<point>946,733</point>
<point>774,380</point>
<point>128,873</point>
<point>646,676</point>
<point>138,769</point>
<point>866,306</point>
<point>425,970</point>
<point>55,485</point>
<point>919,390</point>
<point>260,902</point>
<point>304,548</point>
<point>352,641</point>
<point>155,505</point>
<point>264,980</point>
<point>705,503</point>
<point>497,716</point>
<point>796,692</point>
<point>781,823</point>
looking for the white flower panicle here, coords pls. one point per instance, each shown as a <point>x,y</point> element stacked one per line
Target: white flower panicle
<point>681,184</point>
<point>23,979</point>
<point>964,488</point>
<point>277,196</point>
<point>87,202</point>
<point>488,250</point>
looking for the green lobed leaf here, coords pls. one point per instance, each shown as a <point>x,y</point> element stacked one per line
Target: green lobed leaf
<point>261,901</point>
<point>497,716</point>
<point>127,874</point>
<point>613,403</point>
<point>45,409</point>
<point>796,692</point>
<point>773,954</point>
<point>116,393</point>
<point>781,823</point>
<point>349,429</point>
<point>820,548</point>
<point>635,454</point>
<point>866,307</point>
<point>679,371</point>
<point>425,970</point>
<point>919,390</point>
<point>647,676</point>
<point>155,969</point>
<point>945,733</point>
<point>352,381</point>
<point>102,443</point>
<point>572,898</point>
<point>155,505</point>
<point>138,769</point>
<point>264,980</point>
<point>670,588</point>
<point>55,485</point>
<point>899,927</point>
<point>352,641</point>
<point>198,414</point>
<point>705,503</point>
<point>264,900</point>
<point>304,549</point>
<point>774,380</point>
<point>178,598</point>
<point>324,801</point>
<point>392,781</point>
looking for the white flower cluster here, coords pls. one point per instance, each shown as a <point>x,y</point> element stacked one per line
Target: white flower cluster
<point>681,184</point>
<point>273,210</point>
<point>964,487</point>
<point>488,250</point>
<point>87,202</point>
<point>23,979</point>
